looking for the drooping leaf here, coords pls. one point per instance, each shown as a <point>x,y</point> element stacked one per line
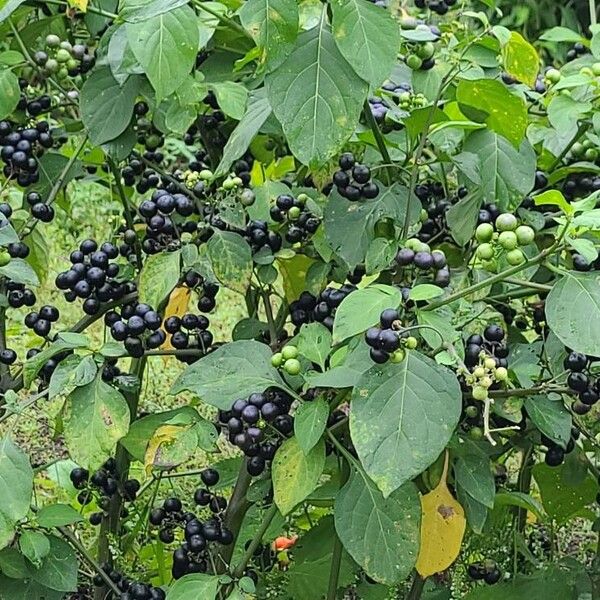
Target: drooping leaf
<point>58,570</point>
<point>57,515</point>
<point>314,343</point>
<point>520,59</point>
<point>310,420</point>
<point>35,546</point>
<point>381,534</point>
<point>9,92</point>
<point>159,277</point>
<point>473,473</point>
<point>316,96</point>
<point>20,271</point>
<point>231,97</point>
<point>233,371</point>
<point>231,260</point>
<point>396,432</point>
<point>551,417</point>
<point>195,585</point>
<point>295,474</point>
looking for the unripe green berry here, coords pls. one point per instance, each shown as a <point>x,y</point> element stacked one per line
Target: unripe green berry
<point>501,374</point>
<point>591,154</point>
<point>292,366</point>
<point>414,62</point>
<point>277,359</point>
<point>247,198</point>
<point>525,235</point>
<point>426,50</point>
<point>411,342</point>
<point>205,174</point>
<point>471,411</point>
<point>508,240</point>
<point>52,41</point>
<point>596,69</point>
<point>479,372</point>
<point>506,222</point>
<point>62,55</point>
<point>485,251</point>
<point>480,393</point>
<point>476,433</point>
<point>397,356</point>
<point>289,352</point>
<point>4,258</point>
<point>553,75</point>
<point>294,212</point>
<point>489,363</point>
<point>484,232</point>
<point>515,257</point>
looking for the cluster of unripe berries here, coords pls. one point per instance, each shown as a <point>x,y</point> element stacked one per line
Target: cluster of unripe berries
<point>130,588</point>
<point>189,332</point>
<point>252,425</point>
<point>417,254</point>
<point>300,221</point>
<point>505,236</point>
<point>287,360</point>
<point>581,381</point>
<point>384,105</point>
<point>63,59</point>
<point>92,277</point>
<point>353,180</point>
<point>387,342</point>
<point>21,146</point>
<point>487,571</point>
<point>309,308</point>
<point>137,326</point>
<point>420,56</point>
<point>101,486</point>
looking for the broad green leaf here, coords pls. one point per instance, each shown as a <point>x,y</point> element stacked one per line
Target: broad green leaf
<point>380,254</point>
<point>346,375</point>
<point>473,473</point>
<point>106,107</point>
<point>12,564</point>
<point>579,326</point>
<point>120,56</point>
<point>361,309</point>
<point>381,534</point>
<point>509,173</point>
<point>169,447</point>
<point>314,343</point>
<point>35,546</point>
<point>166,46</point>
<point>273,24</point>
<point>522,501</point>
<point>195,585</point>
<point>560,499</point>
<point>554,198</point>
<point>7,7</point>
<point>96,418</point>
<point>564,113</point>
<point>561,34</point>
<point>39,256</point>
<point>58,570</point>
<point>26,589</point>
<point>491,102</point>
<point>316,96</point>
<point>257,112</point>
<point>475,512</point>
<point>367,36</point>
<point>295,474</point>
<point>71,372</point>
<point>233,371</point>
<point>8,235</point>
<point>159,277</point>
<point>310,420</point>
<point>521,59</point>
<point>231,97</point>
<point>551,417</point>
<point>57,515</point>
<point>402,416</point>
<point>208,22</point>
<point>10,92</point>
<point>20,271</point>
<point>142,10</point>
<point>51,165</point>
<point>231,260</point>
<point>425,291</point>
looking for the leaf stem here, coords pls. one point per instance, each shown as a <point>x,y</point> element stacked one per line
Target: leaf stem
<point>593,13</point>
<point>416,589</point>
<point>224,18</point>
<point>579,133</point>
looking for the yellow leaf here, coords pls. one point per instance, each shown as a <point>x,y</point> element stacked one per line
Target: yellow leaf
<point>80,4</point>
<point>442,529</point>
<point>177,306</point>
<point>164,434</point>
<point>293,271</point>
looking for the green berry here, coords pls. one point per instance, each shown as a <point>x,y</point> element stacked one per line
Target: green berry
<point>66,45</point>
<point>471,412</point>
<point>205,174</point>
<point>4,258</point>
<point>62,55</point>
<point>303,198</point>
<point>51,66</point>
<point>413,62</point>
<point>508,240</point>
<point>515,257</point>
<point>294,212</point>
<point>292,366</point>
<point>480,393</point>
<point>525,235</point>
<point>426,50</point>
<point>578,148</point>
<point>491,266</point>
<point>596,69</point>
<point>276,359</point>
<point>506,222</point>
<point>501,374</point>
<point>586,72</point>
<point>479,372</point>
<point>485,251</point>
<point>411,342</point>
<point>591,154</point>
<point>289,352</point>
<point>489,363</point>
<point>247,198</point>
<point>397,356</point>
<point>476,433</point>
<point>553,75</point>
<point>484,232</point>
<point>52,41</point>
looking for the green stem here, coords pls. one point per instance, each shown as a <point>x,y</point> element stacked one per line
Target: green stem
<point>524,484</point>
<point>593,13</point>
<point>270,319</point>
<point>336,557</point>
<point>416,589</point>
<point>224,18</point>
<point>379,139</point>
<point>528,284</point>
<point>579,133</point>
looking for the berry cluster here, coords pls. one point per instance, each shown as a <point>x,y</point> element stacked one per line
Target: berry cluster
<point>418,255</point>
<point>440,7</point>
<point>20,148</point>
<point>63,59</point>
<point>506,237</point>
<point>379,103</point>
<point>41,321</point>
<point>309,308</point>
<point>491,344</point>
<point>18,294</point>
<point>385,341</point>
<point>287,359</point>
<point>582,382</point>
<point>134,171</point>
<point>92,276</point>
<point>578,49</point>
<point>487,571</point>
<point>353,180</point>
<point>252,425</point>
<point>420,56</point>
<point>206,290</point>
<point>130,588</point>
<point>260,237</point>
<point>301,223</point>
<point>48,368</point>
<point>39,209</point>
<point>435,204</point>
<point>137,326</point>
<point>189,332</point>
<point>555,454</point>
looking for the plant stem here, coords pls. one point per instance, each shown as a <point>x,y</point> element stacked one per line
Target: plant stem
<point>579,133</point>
<point>270,320</point>
<point>90,8</point>
<point>416,589</point>
<point>336,557</point>
<point>523,484</point>
<point>528,284</point>
<point>379,139</point>
<point>593,14</point>
<point>224,18</point>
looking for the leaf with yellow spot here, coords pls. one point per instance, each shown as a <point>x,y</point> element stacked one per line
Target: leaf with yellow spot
<point>170,446</point>
<point>293,271</point>
<point>442,529</point>
<point>80,4</point>
<point>521,59</point>
<point>176,307</point>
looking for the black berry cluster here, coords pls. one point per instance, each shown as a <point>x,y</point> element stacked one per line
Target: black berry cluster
<point>555,454</point>
<point>492,345</point>
<point>578,49</point>
<point>137,325</point>
<point>379,104</point>
<point>93,277</point>
<point>18,294</point>
<point>41,321</point>
<point>582,382</point>
<point>21,146</point>
<point>207,290</point>
<point>435,203</point>
<point>487,571</point>
<point>48,368</point>
<point>260,237</point>
<point>418,256</point>
<point>300,221</point>
<point>309,308</point>
<point>440,7</point>
<point>189,332</point>
<point>63,59</point>
<point>253,425</point>
<point>385,340</point>
<point>131,589</point>
<point>353,180</point>
<point>39,209</point>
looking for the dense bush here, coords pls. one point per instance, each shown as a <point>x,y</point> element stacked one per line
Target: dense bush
<point>402,202</point>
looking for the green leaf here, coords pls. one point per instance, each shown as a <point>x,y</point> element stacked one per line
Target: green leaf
<point>39,256</point>
<point>509,173</point>
<point>564,113</point>
<point>166,46</point>
<point>367,37</point>
<point>521,500</point>
<point>521,59</point>
<point>473,473</point>
<point>96,418</point>
<point>561,499</point>
<point>7,233</point>
<point>196,585</point>
<point>7,7</point>
<point>207,22</point>
<point>35,546</point>
<point>475,512</point>
<point>12,564</point>
<point>314,343</point>
<point>402,416</point>
<point>106,107</point>
<point>141,10</point>
<point>579,326</point>
<point>380,254</point>
<point>493,104</point>
<point>72,372</point>
<point>257,112</point>
<point>554,198</point>
<point>356,362</point>
<point>59,568</point>
<point>361,309</point>
<point>20,271</point>
<point>231,97</point>
<point>159,276</point>
<point>273,24</point>
<point>51,165</point>
<point>561,34</point>
<point>16,476</point>
<point>310,420</point>
<point>425,291</point>
<point>295,474</point>
<point>10,92</point>
<point>57,515</point>
<point>316,96</point>
<point>231,260</point>
<point>381,534</point>
<point>551,417</point>
<point>233,371</point>
<point>27,589</point>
